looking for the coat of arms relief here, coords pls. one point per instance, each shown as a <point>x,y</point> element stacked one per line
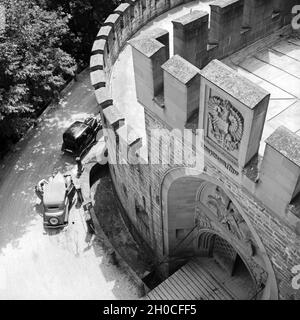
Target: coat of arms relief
<point>226,124</point>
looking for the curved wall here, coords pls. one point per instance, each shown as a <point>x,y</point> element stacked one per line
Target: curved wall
<point>120,26</point>
<point>131,15</point>
<point>141,184</point>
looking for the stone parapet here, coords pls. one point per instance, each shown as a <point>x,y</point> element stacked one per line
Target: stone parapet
<point>191,37</point>
<point>232,113</point>
<point>234,24</point>
<point>113,118</point>
<point>280,170</point>
<point>148,56</point>
<point>98,79</point>
<point>96,62</point>
<point>129,144</point>
<point>181,91</point>
<point>159,34</point>
<point>98,47</point>
<point>131,15</point>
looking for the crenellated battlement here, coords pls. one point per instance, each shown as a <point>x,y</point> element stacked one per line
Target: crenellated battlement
<point>204,99</point>
<point>198,39</point>
<point>233,25</point>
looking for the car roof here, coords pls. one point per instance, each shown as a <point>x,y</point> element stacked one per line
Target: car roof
<point>76,129</point>
<point>55,191</point>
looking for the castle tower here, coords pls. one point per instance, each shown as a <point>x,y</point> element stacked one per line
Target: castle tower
<point>242,204</point>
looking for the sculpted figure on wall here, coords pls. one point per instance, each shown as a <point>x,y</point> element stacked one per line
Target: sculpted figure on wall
<point>227,214</point>
<point>226,124</point>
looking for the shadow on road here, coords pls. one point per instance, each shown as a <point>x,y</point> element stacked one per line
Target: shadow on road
<point>108,213</point>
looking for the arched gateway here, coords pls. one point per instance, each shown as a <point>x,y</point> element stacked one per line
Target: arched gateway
<point>202,219</point>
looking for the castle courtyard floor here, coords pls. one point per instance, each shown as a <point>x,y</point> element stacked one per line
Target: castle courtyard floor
<point>275,66</point>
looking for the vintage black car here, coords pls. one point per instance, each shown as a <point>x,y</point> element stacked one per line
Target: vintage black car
<point>57,199</point>
<point>81,135</point>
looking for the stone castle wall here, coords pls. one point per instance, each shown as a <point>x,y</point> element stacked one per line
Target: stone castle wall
<point>142,183</point>
<point>279,239</point>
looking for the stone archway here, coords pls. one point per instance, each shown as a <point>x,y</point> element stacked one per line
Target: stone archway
<point>181,192</point>
<point>220,259</point>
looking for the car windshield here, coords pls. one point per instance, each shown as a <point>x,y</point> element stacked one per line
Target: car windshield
<point>54,208</point>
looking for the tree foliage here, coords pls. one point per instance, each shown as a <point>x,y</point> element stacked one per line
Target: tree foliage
<point>33,67</point>
<point>43,44</point>
<point>86,17</point>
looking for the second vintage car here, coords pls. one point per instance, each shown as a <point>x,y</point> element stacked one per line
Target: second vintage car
<point>57,199</point>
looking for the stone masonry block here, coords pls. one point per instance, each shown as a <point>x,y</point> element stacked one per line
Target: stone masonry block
<point>99,46</point>
<point>111,20</point>
<point>287,143</point>
<point>238,99</point>
<point>96,62</point>
<point>148,56</point>
<point>280,170</point>
<point>122,8</point>
<point>180,69</point>
<point>148,47</point>
<point>181,91</point>
<point>98,79</point>
<point>104,32</point>
<point>226,21</point>
<point>191,20</point>
<point>129,144</point>
<point>159,34</point>
<point>223,6</point>
<point>233,83</point>
<point>256,12</point>
<point>191,37</point>
<point>114,117</point>
<point>103,98</point>
<point>128,135</point>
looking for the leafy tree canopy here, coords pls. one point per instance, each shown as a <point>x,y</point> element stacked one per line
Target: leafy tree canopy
<point>43,44</point>
<point>33,66</point>
<point>86,17</point>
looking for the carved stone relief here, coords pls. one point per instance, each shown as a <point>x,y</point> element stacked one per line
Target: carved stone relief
<point>222,216</point>
<point>225,124</point>
<point>227,215</point>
